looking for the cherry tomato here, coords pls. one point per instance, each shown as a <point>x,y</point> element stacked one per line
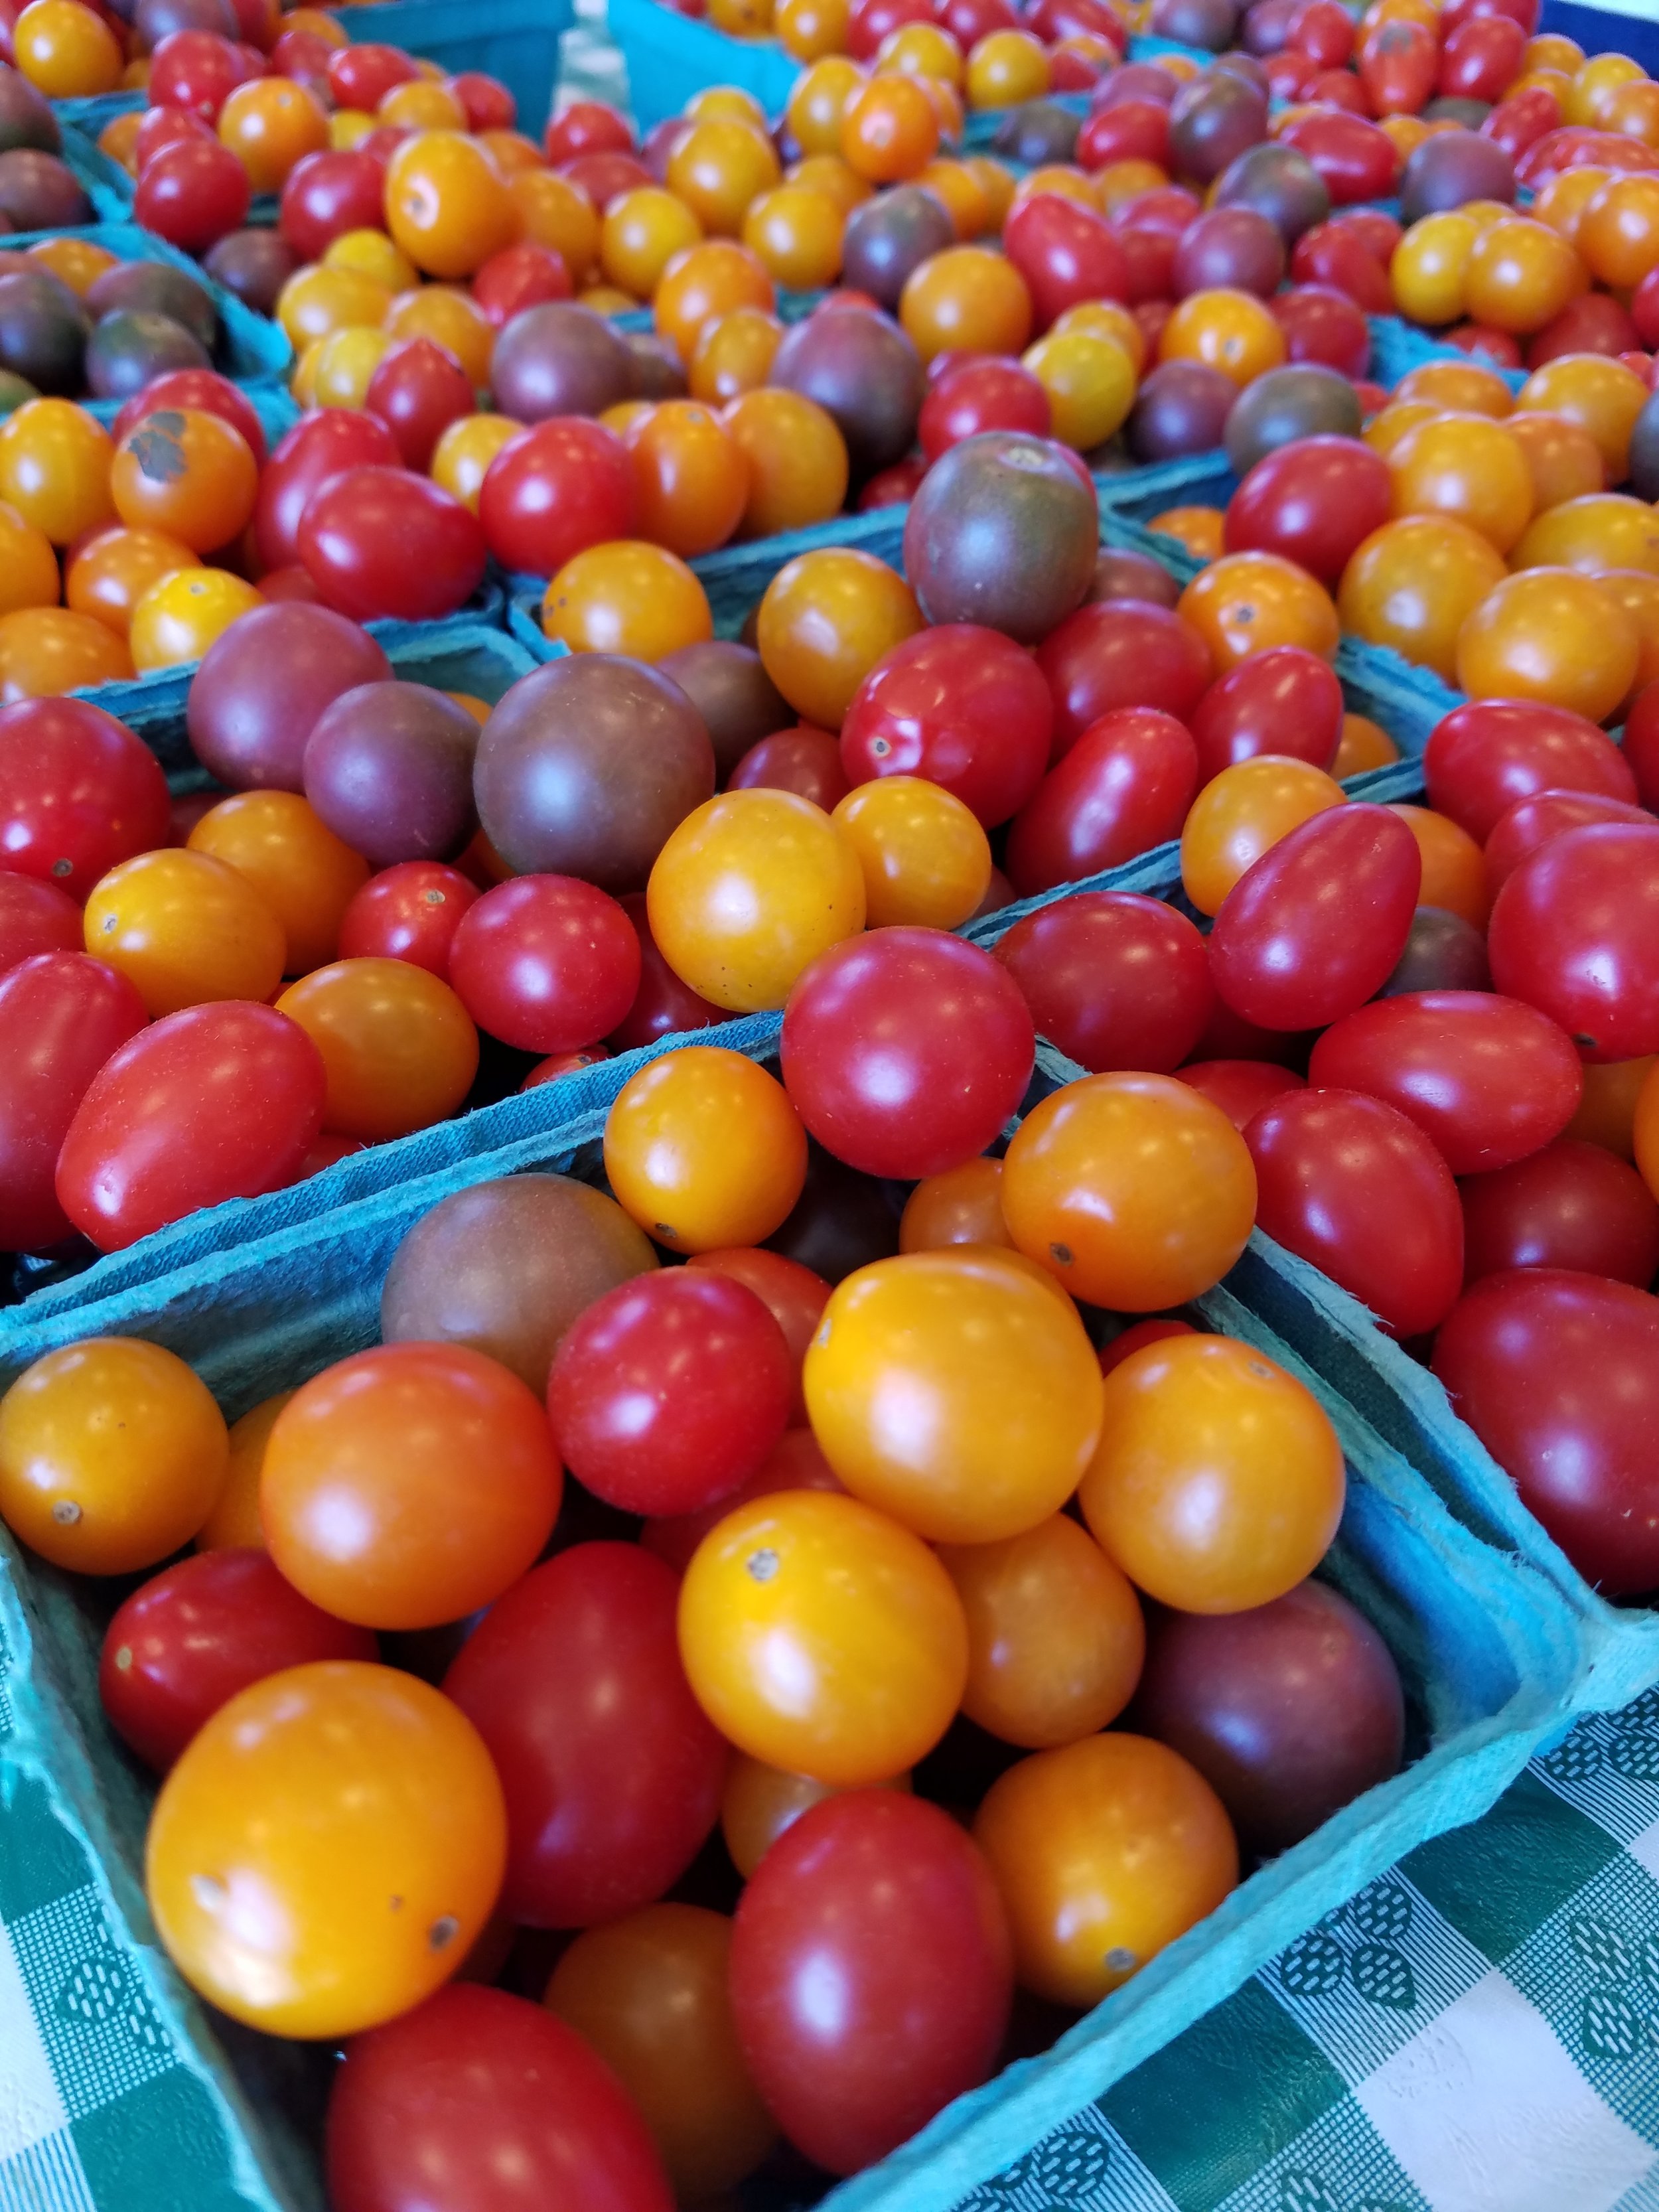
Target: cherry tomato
<point>1484,756</point>
<point>1004,1435</point>
<point>193,193</point>
<point>1066,253</point>
<point>547,963</point>
<point>670,1391</point>
<point>1122,787</point>
<point>828,617</point>
<point>1573,934</point>
<point>1353,1187</point>
<point>1133,1190</point>
<point>822,1637</point>
<point>35,917</point>
<point>379,541</point>
<point>1241,815</point>
<point>363,1807</point>
<point>478,2101</point>
<point>1284,700</point>
<point>1115,980</point>
<point>555,489</point>
<point>1218,1482</point>
<point>305,874</point>
<point>82,793</point>
<point>1412,584</point>
<point>1055,1637</point>
<point>358,1493</point>
<point>399,1048</point>
<point>62,1015</point>
<point>327,194</point>
<point>703,1148</point>
<point>189,1639</point>
<point>205,391</point>
<point>1104,1851</point>
<point>417,391</point>
<point>962,707</point>
<point>1573,1206</point>
<point>1241,1088</point>
<point>1117,653</point>
<point>318,447</point>
<point>112,1453</point>
<point>905,1050</point>
<point>612,1775</point>
<point>221,1101</point>
<point>885,1895</point>
<point>649,1993</point>
<point>1556,1373</point>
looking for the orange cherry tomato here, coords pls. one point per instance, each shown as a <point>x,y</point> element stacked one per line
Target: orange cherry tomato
<point>447,206</point>
<point>760,1802</point>
<point>1246,601</point>
<point>1229,331</point>
<point>1562,459</point>
<point>826,619</point>
<point>1055,1637</point>
<point>1429,268</point>
<point>747,891</point>
<point>925,859</point>
<point>1464,387</point>
<point>795,230</point>
<point>1133,1190</point>
<point>1551,635</point>
<point>185,928</point>
<point>186,472</point>
<point>1520,275</point>
<point>1392,424</point>
<point>1218,1480</point>
<point>1468,467</point>
<point>640,234</point>
<point>550,211</point>
<point>422,105</point>
<point>797,459</point>
<point>703,282</point>
<point>461,458</point>
<point>820,1637</point>
<point>1199,529</point>
<point>649,1993</point>
<point>1454,865</point>
<point>180,616</point>
<point>1592,86</point>
<point>627,596</point>
<point>734,355</point>
<point>1636,592</point>
<point>1241,814</point>
<point>1600,396</point>
<point>1363,745</point>
<point>449,317</point>
<point>963,1205</point>
<point>317,301</point>
<point>108,575</point>
<point>409,1485</point>
<point>1005,68</point>
<point>399,1047</point>
<point>966,300</point>
<point>704,1148</point>
<point>1645,1132</point>
<point>717,166</point>
<point>1618,234</point>
<point>46,651</point>
<point>889,129</point>
<point>327,1849</point>
<point>1104,1851</point>
<point>66,51</point>
<point>965,198</point>
<point>1412,584</point>
<point>951,1391</point>
<point>270,124</point>
<point>691,477</point>
<point>54,469</point>
<point>112,1455</point>
<point>234,1524</point>
<point>1602,530</point>
<point>28,567</point>
<point>306,874</point>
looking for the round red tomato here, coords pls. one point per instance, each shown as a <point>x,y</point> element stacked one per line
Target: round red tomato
<point>558,487</point>
<point>1115,981</point>
<point>379,541</point>
<point>1484,755</point>
<point>1123,787</point>
<point>326,195</point>
<point>1573,1205</point>
<point>410,911</point>
<point>417,390</point>
<point>1286,701</point>
<point>547,963</point>
<point>1312,501</point>
<point>1121,653</point>
<point>964,708</point>
<point>78,793</point>
<point>319,446</point>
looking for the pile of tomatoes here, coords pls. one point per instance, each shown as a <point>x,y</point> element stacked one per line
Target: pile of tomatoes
<point>847,1565</point>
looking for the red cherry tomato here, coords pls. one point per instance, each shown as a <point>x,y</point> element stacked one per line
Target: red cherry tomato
<point>1241,1088</point>
<point>1323,325</point>
<point>1352,1186</point>
<point>1121,653</point>
<point>35,916</point>
<point>327,194</point>
<point>662,1006</point>
<point>1575,932</point>
<point>980,394</point>
<point>881,1899</point>
<point>221,1100</point>
<point>1312,501</point>
<point>1487,1079</point>
<point>553,491</point>
<point>1318,924</point>
<point>1531,823</point>
<point>379,541</point>
<point>795,1462</point>
<point>612,1773</point>
<point>587,126</point>
<point>61,1017</point>
<point>961,706</point>
<point>195,192</point>
<point>905,1051</point>
<point>192,72</point>
<point>1286,700</point>
<point>410,911</point>
<point>1481,58</point>
<point>417,390</point>
<point>194,1635</point>
<point>519,277</point>
<point>1066,253</point>
<point>78,793</point>
<point>1123,787</point>
<point>1557,1375</point>
<point>803,760</point>
<point>793,1296</point>
<point>1335,255</point>
<point>547,963</point>
<point>204,390</point>
<point>1573,1205</point>
<point>1484,755</point>
<point>1115,981</point>
<point>477,2101</point>
<point>319,446</point>
<point>670,1391</point>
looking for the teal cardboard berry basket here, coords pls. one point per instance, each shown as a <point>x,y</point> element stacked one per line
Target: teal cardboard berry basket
<point>1494,1656</point>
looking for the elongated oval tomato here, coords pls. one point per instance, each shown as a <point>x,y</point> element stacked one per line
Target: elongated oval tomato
<point>62,1015</point>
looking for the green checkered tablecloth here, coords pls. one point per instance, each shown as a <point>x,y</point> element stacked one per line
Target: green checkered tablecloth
<point>1476,2032</point>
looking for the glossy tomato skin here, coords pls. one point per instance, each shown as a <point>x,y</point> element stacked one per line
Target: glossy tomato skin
<point>557,489</point>
<point>905,1050</point>
<point>478,2101</point>
<point>1487,1079</point>
<point>960,705</point>
<point>1286,701</point>
<point>669,1392</point>
<point>35,917</point>
<point>62,1015</point>
<point>319,446</point>
<point>379,541</point>
<point>1066,253</point>
<point>80,792</point>
<point>1483,756</point>
<point>1575,932</point>
<point>220,1101</point>
<point>198,1632</point>
<point>1573,1205</point>
<point>612,1773</point>
<point>882,1897</point>
<point>1351,1185</point>
<point>327,194</point>
<point>547,963</point>
<point>1316,925</point>
<point>1113,978</point>
<point>409,911</point>
<point>1241,1088</point>
<point>417,391</point>
<point>1558,1374</point>
<point>793,1296</point>
<point>1124,786</point>
<point>1121,653</point>
<point>1531,823</point>
<point>1313,502</point>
